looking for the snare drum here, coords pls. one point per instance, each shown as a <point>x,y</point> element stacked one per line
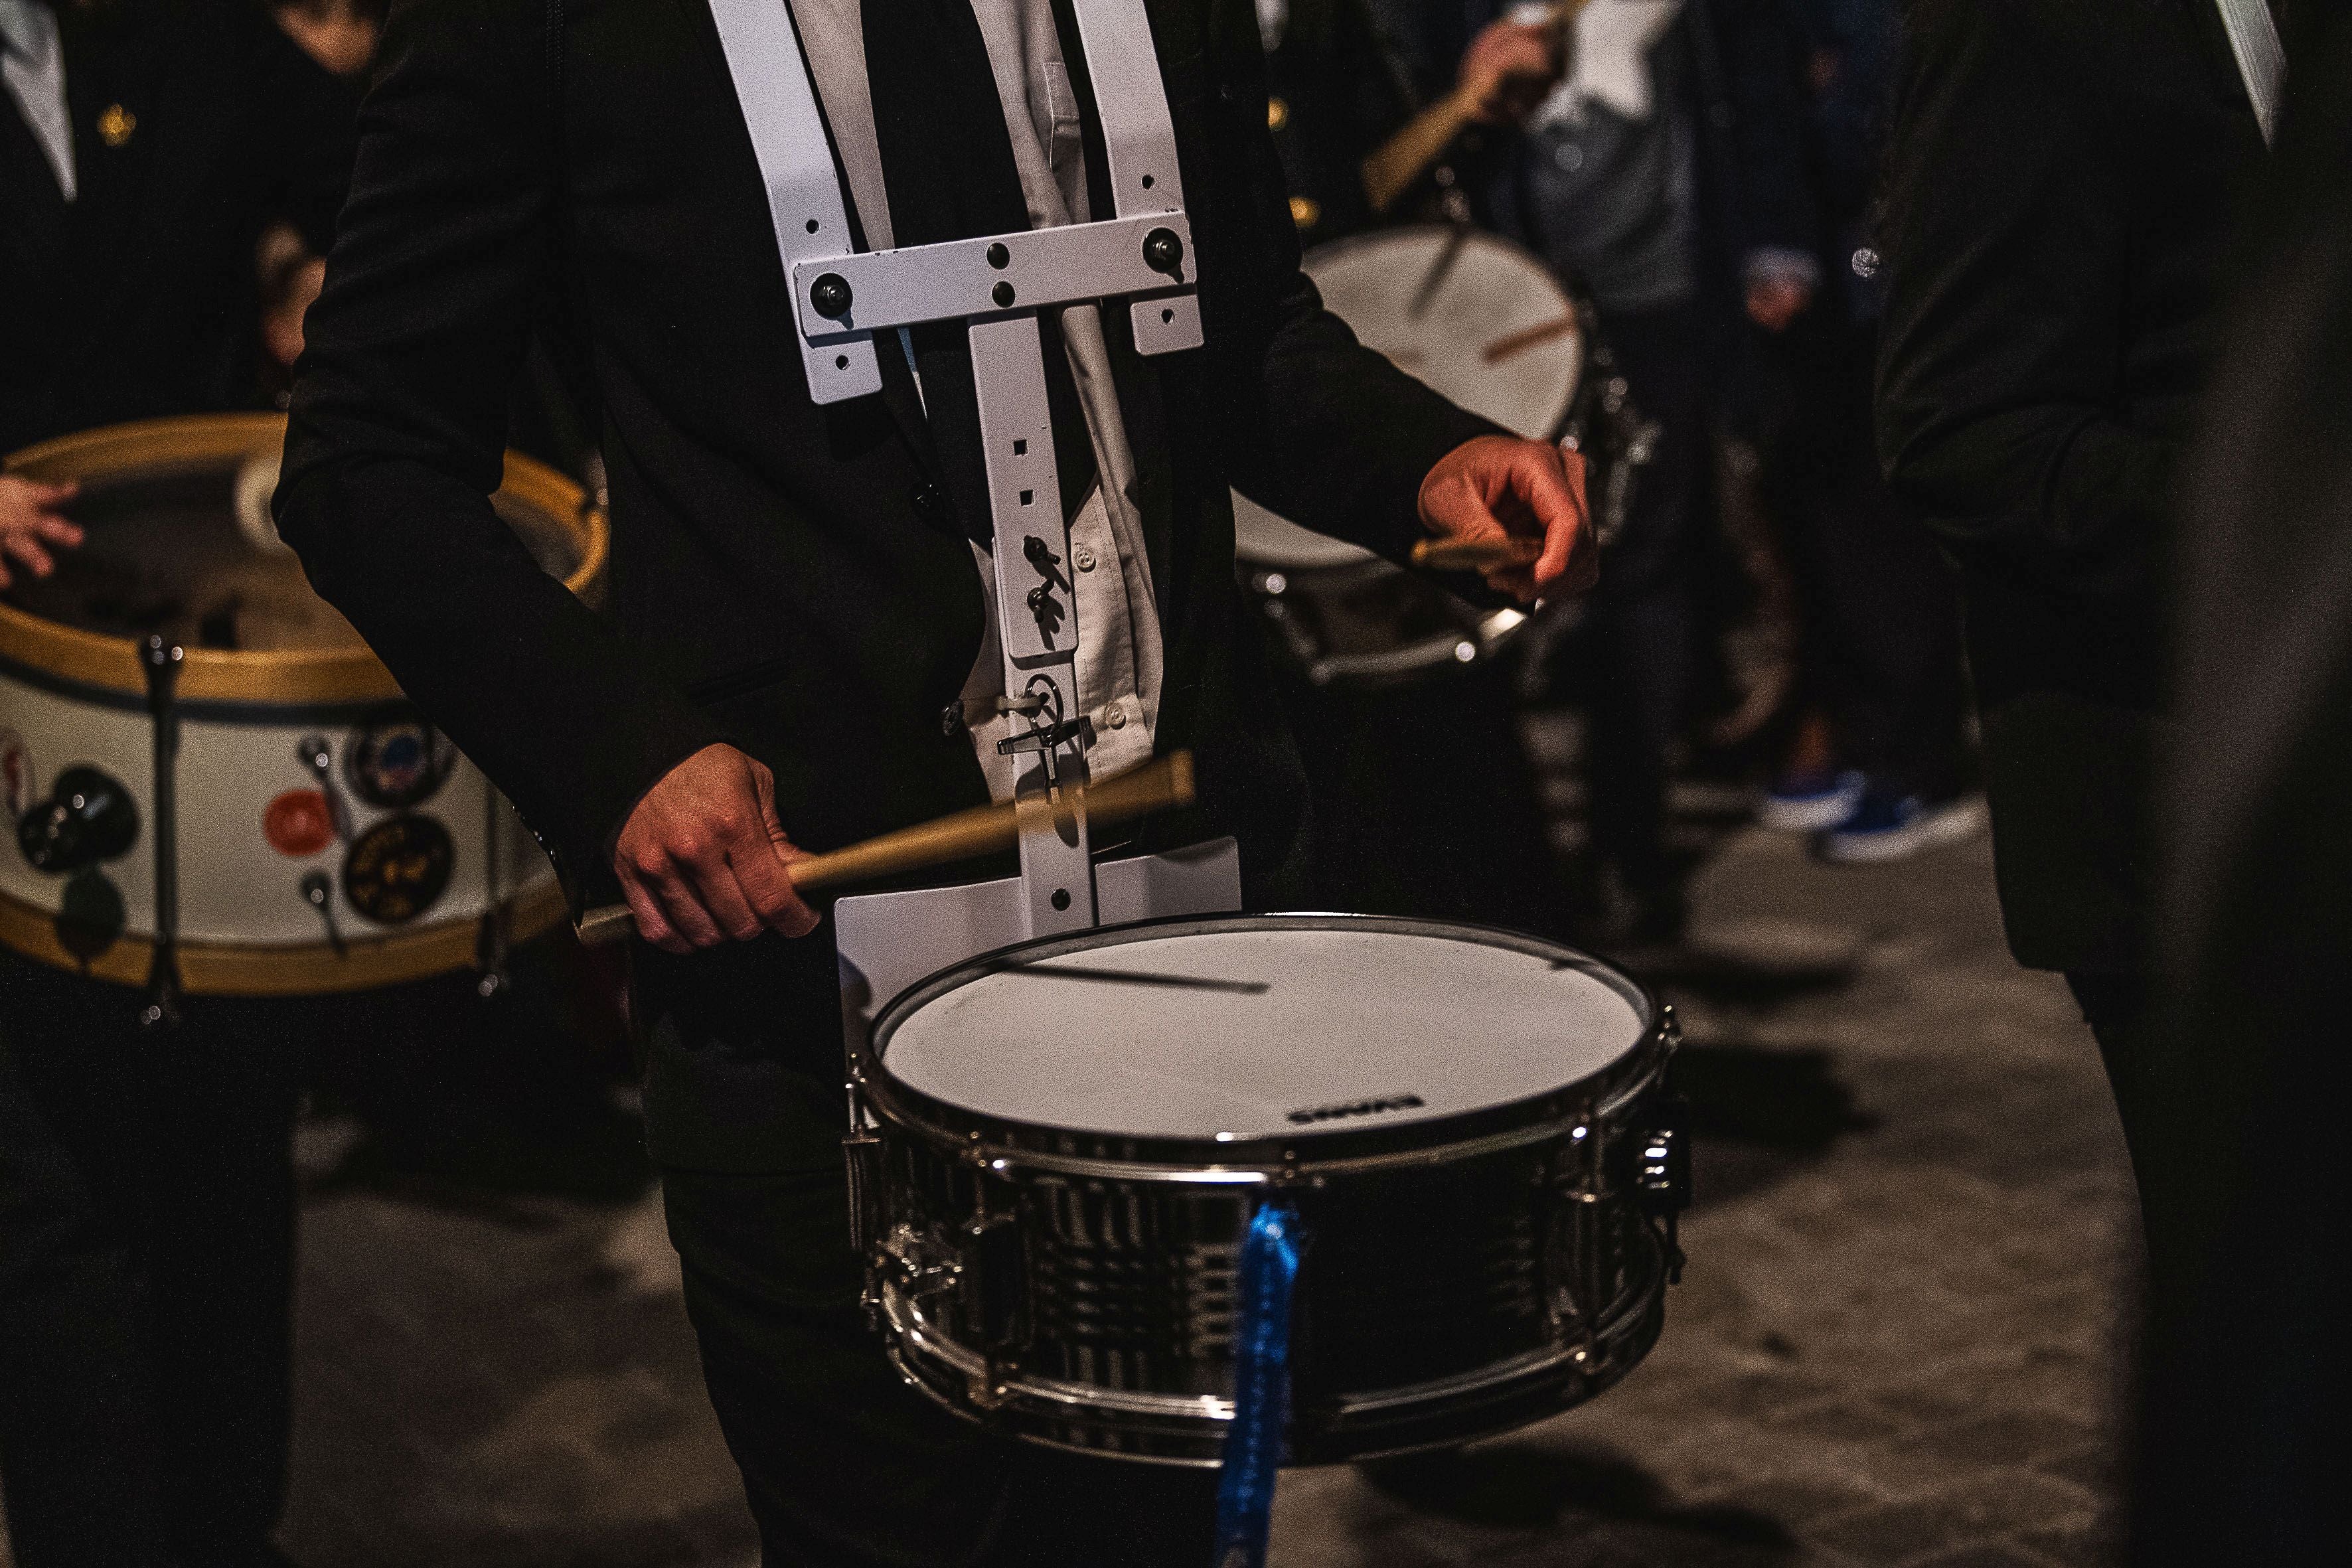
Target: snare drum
<point>1488,325</point>
<point>311,833</point>
<point>1062,1144</point>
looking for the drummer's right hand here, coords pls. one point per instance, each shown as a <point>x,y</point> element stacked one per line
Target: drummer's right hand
<point>1507,71</point>
<point>703,861</point>
<point>29,525</point>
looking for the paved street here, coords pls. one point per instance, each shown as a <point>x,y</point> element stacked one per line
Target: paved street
<point>1895,1345</point>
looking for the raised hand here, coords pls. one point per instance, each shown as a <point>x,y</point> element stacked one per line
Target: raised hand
<point>31,526</point>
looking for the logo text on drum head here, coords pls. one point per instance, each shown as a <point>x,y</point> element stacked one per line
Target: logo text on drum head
<point>1374,1107</point>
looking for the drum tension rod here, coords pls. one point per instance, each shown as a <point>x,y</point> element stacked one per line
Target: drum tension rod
<point>162,660</point>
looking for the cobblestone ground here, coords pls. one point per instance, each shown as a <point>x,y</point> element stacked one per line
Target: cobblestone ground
<point>1895,1345</point>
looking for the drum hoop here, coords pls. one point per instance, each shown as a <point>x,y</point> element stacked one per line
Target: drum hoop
<point>305,969</point>
<point>1014,1145</point>
<point>286,678</point>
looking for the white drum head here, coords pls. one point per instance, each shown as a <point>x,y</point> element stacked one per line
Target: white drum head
<point>1245,1032</point>
<point>1497,334</point>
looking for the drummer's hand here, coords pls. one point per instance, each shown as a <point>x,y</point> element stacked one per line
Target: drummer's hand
<point>29,525</point>
<point>1499,486</point>
<point>1507,70</point>
<point>702,859</point>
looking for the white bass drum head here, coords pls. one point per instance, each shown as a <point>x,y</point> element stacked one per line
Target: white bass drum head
<point>1498,334</point>
<point>1250,1032</point>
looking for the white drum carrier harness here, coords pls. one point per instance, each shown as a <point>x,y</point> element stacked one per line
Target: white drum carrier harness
<point>842,297</point>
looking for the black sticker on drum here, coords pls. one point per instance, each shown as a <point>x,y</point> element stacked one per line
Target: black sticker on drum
<point>397,869</point>
<point>398,765</point>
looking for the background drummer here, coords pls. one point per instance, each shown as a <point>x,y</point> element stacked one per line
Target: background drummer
<point>809,574</point>
<point>146,1203</point>
<point>1662,174</point>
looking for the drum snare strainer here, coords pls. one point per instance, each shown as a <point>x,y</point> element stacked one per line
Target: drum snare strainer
<point>1062,1144</point>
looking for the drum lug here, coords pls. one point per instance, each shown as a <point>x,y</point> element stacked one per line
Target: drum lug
<point>993,1281</point>
<point>861,1153</point>
<point>1661,1178</point>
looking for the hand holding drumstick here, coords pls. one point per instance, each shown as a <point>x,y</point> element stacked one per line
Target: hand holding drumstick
<point>699,841</point>
<point>1513,511</point>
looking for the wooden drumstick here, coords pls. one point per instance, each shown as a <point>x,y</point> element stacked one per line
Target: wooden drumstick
<point>983,830</point>
<point>1475,554</point>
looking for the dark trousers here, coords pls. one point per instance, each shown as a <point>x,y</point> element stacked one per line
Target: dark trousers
<point>146,1246</point>
<point>844,1464</point>
<point>2155,1113</point>
<point>1882,608</point>
<point>1641,620</point>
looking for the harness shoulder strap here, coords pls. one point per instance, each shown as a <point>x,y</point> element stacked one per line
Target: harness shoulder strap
<point>2262,62</point>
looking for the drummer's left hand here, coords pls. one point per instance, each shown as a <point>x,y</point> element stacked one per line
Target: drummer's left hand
<point>1494,486</point>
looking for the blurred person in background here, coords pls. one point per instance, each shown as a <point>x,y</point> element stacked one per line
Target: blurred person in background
<point>2060,184</point>
<point>1659,169</point>
<point>340,35</point>
<point>146,1195</point>
<point>1877,766</point>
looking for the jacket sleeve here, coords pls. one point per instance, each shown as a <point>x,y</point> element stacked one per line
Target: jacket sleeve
<point>1318,429</point>
<point>2006,259</point>
<point>398,429</point>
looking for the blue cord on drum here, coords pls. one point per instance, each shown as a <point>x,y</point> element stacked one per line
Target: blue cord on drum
<point>1255,1444</point>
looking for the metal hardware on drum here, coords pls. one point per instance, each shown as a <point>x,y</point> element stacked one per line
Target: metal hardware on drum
<point>318,754</point>
<point>317,891</point>
<point>1611,434</point>
<point>161,658</point>
<point>1056,1253</point>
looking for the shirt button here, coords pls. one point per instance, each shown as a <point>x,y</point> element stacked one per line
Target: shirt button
<point>1118,717</point>
<point>1084,557</point>
<point>931,504</point>
<point>1569,157</point>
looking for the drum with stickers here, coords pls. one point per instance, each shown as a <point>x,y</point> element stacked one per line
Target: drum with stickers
<point>211,785</point>
<point>1061,1147</point>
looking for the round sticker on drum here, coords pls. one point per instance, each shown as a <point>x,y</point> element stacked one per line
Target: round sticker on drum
<point>15,773</point>
<point>398,765</point>
<point>397,869</point>
<point>299,823</point>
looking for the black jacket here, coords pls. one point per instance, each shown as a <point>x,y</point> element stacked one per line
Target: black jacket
<point>194,123</point>
<point>789,577</point>
<point>2061,185</point>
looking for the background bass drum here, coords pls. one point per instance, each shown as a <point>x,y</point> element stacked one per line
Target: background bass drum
<point>300,766</point>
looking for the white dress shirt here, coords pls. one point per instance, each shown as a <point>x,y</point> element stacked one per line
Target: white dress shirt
<point>1119,654</point>
<point>33,68</point>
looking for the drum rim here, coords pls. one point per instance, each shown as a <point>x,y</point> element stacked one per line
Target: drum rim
<point>1274,1158</point>
<point>281,677</point>
<point>301,969</point>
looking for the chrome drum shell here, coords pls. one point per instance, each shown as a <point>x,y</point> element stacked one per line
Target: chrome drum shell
<point>1461,1276</point>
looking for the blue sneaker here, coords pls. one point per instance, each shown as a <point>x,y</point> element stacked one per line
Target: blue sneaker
<point>1886,826</point>
<point>1809,802</point>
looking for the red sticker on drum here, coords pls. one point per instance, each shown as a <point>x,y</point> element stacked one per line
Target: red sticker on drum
<point>299,823</point>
